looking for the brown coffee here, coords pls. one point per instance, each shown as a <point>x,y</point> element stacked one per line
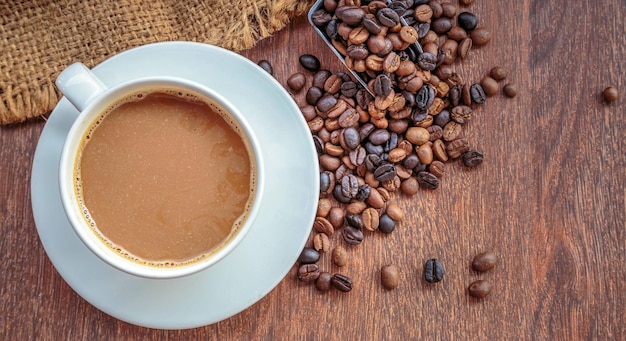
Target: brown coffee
<point>164,178</point>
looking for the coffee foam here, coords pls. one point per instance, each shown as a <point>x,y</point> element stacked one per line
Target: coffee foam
<point>189,96</point>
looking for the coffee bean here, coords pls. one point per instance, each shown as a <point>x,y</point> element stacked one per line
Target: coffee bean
<point>394,212</point>
<point>409,186</point>
<point>449,10</point>
<point>323,225</point>
<point>427,180</point>
<point>425,97</point>
<point>320,77</point>
<point>442,25</point>
<point>388,17</point>
<point>340,256</point>
<point>351,16</point>
<point>376,200</point>
<point>341,282</point>
<point>389,276</point>
<point>313,95</point>
<point>336,217</point>
<point>339,196</point>
<point>511,91</point>
<point>308,272</point>
<point>382,85</point>
<point>385,172</point>
<point>465,47</point>
<point>386,224</point>
<point>484,261</point>
<point>468,21</point>
<point>354,220</point>
<point>480,36</point>
<point>456,148</point>
<point>265,65</point>
<point>349,186</point>
<point>498,73</point>
<point>477,93</point>
<point>308,256</point>
<point>363,193</point>
<point>490,86</point>
<point>427,61</point>
<point>433,270</point>
<point>472,158</point>
<point>352,235</point>
<point>461,114</point>
<point>349,89</point>
<point>370,219</point>
<point>466,2</point>
<point>609,94</point>
<point>309,62</point>
<point>322,282</point>
<point>479,289</point>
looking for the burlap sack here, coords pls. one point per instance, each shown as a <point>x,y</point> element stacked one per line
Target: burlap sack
<point>39,38</point>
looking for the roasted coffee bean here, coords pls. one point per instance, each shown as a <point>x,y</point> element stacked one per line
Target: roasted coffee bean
<point>433,270</point>
<point>309,62</point>
<point>427,61</point>
<point>456,148</point>
<point>442,118</point>
<point>389,276</point>
<point>442,25</point>
<point>354,220</point>
<point>363,193</point>
<point>449,10</point>
<point>349,186</point>
<point>355,208</point>
<point>379,136</point>
<point>372,161</point>
<point>385,172</point>
<point>477,93</point>
<point>321,17</point>
<point>498,73</point>
<point>265,65</point>
<point>322,282</point>
<point>457,33</point>
<point>437,8</point>
<point>320,78</point>
<point>333,84</point>
<point>472,158</point>
<point>388,17</point>
<point>425,97</point>
<point>511,91</point>
<point>452,131</point>
<point>417,135</point>
<point>357,156</point>
<point>321,243</point>
<point>351,138</point>
<point>323,207</point>
<point>341,282</point>
<point>375,199</point>
<point>322,225</point>
<point>319,144</point>
<point>464,48</point>
<point>351,16</point>
<point>331,29</point>
<point>308,256</point>
<point>339,196</point>
<point>391,143</point>
<point>409,186</point>
<point>325,183</point>
<point>466,97</point>
<point>328,162</point>
<point>425,154</point>
<point>370,219</point>
<point>468,21</point>
<point>382,85</point>
<point>461,114</point>
<point>411,161</point>
<point>308,272</point>
<point>394,212</point>
<point>352,235</point>
<point>484,261</point>
<point>357,52</point>
<point>296,81</point>
<point>480,36</point>
<point>479,289</point>
<point>336,217</point>
<point>427,180</point>
<point>326,102</point>
<point>374,149</point>
<point>371,24</point>
<point>340,256</point>
<point>435,131</point>
<point>437,168</point>
<point>313,95</point>
<point>349,89</point>
<point>490,86</point>
<point>386,224</point>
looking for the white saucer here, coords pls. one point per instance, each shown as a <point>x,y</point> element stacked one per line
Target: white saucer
<point>259,263</point>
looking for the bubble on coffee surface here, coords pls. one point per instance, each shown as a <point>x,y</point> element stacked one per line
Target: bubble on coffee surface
<point>237,224</point>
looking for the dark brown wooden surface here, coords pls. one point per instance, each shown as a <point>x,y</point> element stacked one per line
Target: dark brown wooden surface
<point>549,200</point>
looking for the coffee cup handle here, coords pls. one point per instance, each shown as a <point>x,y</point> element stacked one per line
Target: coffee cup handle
<point>79,85</point>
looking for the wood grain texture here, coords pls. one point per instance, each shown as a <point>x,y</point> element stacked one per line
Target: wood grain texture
<point>549,200</point>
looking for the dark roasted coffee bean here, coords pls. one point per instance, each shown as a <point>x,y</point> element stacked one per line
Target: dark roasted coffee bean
<point>352,235</point>
<point>324,182</point>
<point>321,17</point>
<point>351,137</point>
<point>511,91</point>
<point>386,224</point>
<point>296,81</point>
<point>363,193</point>
<point>308,272</point>
<point>498,73</point>
<point>308,256</point>
<point>355,221</point>
<point>379,136</point>
<point>349,186</point>
<point>425,97</point>
<point>320,77</point>
<point>326,102</point>
<point>265,65</point>
<point>417,114</point>
<point>371,24</point>
<point>349,89</point>
<point>455,95</point>
<point>313,95</point>
<point>365,130</point>
<point>382,85</point>
<point>385,172</point>
<point>331,29</point>
<point>427,180</point>
<point>357,52</point>
<point>427,61</point>
<point>372,161</point>
<point>388,17</point>
<point>319,144</point>
<point>341,282</point>
<point>433,270</point>
<point>374,149</point>
<point>351,16</point>
<point>442,118</point>
<point>391,143</point>
<point>441,25</point>
<point>338,195</point>
<point>479,289</point>
<point>468,21</point>
<point>477,93</point>
<point>480,36</point>
<point>411,161</point>
<point>389,276</point>
<point>472,158</point>
<point>484,261</point>
<point>309,62</point>
<point>456,148</point>
<point>322,282</point>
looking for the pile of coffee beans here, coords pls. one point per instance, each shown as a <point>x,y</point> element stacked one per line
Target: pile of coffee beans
<point>392,130</point>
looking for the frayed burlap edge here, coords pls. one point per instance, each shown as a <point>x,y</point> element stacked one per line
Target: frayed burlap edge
<point>27,87</point>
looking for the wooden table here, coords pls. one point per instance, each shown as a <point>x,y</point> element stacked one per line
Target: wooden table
<point>549,200</point>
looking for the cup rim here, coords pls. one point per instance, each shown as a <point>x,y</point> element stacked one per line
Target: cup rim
<point>69,199</point>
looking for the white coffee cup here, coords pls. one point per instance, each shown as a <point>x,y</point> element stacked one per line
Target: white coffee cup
<point>92,97</point>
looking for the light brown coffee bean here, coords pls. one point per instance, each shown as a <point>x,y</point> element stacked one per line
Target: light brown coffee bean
<point>417,135</point>
<point>356,207</point>
<point>336,217</point>
<point>394,212</point>
<point>464,48</point>
<point>457,33</point>
<point>396,155</point>
<point>323,207</point>
<point>328,162</point>
<point>425,154</point>
<point>490,85</point>
<point>409,186</point>
<point>498,73</point>
<point>389,276</point>
<point>370,219</point>
<point>451,131</point>
<point>323,225</point>
<point>340,256</point>
<point>375,199</point>
<point>439,150</point>
<point>509,90</point>
<point>480,36</point>
<point>321,242</point>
